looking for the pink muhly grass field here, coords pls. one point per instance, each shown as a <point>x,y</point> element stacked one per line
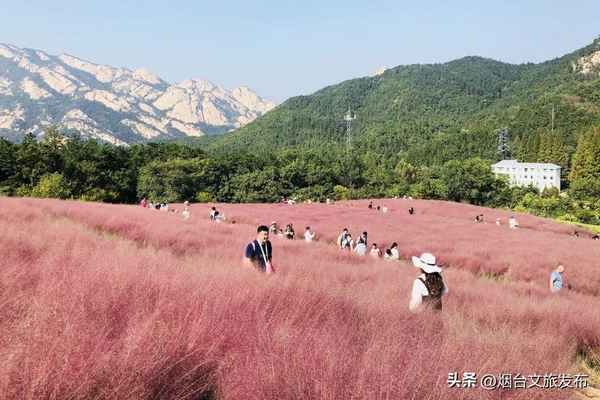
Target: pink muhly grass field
<point>118,302</point>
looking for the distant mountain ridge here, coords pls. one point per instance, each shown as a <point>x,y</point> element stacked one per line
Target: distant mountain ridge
<point>111,104</point>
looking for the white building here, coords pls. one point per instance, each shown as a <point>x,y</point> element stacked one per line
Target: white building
<point>540,175</point>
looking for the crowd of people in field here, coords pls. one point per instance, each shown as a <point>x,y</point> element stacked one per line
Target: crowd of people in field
<point>214,214</point>
<point>428,287</point>
<point>514,224</point>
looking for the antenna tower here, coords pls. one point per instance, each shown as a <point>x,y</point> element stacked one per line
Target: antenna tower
<point>349,118</point>
<point>503,145</point>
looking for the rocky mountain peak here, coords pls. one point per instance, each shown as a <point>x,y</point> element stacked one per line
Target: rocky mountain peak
<point>589,64</point>
<point>113,104</point>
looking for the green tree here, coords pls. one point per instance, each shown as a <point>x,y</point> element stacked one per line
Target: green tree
<point>97,194</point>
<point>51,186</point>
<point>28,157</point>
<point>51,149</point>
<point>429,185</point>
<point>257,186</point>
<point>8,166</point>
<point>554,150</point>
<point>205,197</point>
<point>471,180</point>
<point>173,180</point>
<point>585,170</point>
<point>341,192</point>
<point>405,172</point>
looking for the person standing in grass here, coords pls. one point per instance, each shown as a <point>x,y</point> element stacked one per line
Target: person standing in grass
<point>259,252</point>
<point>341,240</point>
<point>557,280</point>
<point>289,232</point>
<point>349,242</point>
<point>429,287</point>
<point>363,238</point>
<point>388,255</point>
<point>308,235</point>
<point>375,251</point>
<point>360,248</point>
<point>346,242</point>
<point>214,214</point>
<point>395,254</point>
<point>186,211</point>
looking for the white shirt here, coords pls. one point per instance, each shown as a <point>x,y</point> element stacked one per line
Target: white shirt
<point>360,249</point>
<point>395,254</point>
<point>513,223</point>
<point>308,236</point>
<point>419,290</point>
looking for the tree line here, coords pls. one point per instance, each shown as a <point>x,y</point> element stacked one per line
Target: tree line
<point>69,167</point>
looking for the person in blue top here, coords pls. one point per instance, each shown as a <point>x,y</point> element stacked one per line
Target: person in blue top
<point>557,281</point>
<point>259,252</point>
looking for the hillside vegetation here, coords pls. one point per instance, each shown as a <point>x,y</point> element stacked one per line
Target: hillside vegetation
<point>430,114</point>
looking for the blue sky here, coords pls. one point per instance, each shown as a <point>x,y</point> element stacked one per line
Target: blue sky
<point>286,48</point>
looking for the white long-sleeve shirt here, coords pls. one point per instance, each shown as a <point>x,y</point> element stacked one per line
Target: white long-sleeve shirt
<point>419,290</point>
<point>309,236</point>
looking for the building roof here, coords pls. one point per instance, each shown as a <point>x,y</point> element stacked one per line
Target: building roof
<point>515,163</point>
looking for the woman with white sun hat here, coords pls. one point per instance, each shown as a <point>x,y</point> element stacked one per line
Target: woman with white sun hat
<point>429,287</point>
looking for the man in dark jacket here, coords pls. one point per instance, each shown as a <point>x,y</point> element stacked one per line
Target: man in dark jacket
<point>259,252</point>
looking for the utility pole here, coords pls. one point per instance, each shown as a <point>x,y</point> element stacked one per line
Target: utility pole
<point>552,118</point>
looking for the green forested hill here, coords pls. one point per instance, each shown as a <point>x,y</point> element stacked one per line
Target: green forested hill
<point>429,114</point>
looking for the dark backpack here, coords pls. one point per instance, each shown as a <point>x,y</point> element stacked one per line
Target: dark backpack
<point>435,286</point>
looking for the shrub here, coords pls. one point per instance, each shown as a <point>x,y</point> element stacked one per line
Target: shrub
<point>51,186</point>
<point>205,197</point>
